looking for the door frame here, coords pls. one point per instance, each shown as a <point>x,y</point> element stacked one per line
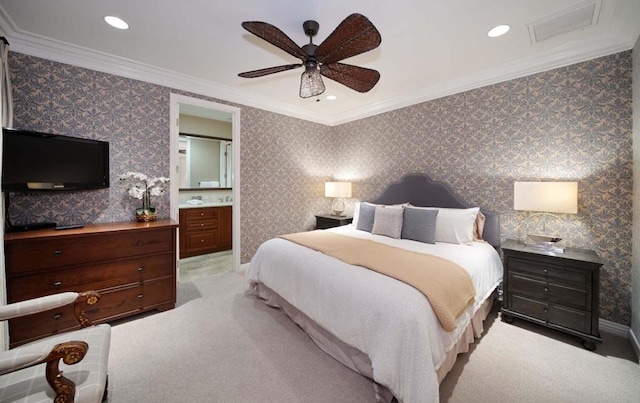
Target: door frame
<point>175,101</point>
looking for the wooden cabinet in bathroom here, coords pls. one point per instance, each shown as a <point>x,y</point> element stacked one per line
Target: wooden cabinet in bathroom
<point>205,230</point>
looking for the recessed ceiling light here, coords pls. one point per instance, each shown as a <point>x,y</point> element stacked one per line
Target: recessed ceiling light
<point>498,31</point>
<point>331,97</point>
<point>116,22</point>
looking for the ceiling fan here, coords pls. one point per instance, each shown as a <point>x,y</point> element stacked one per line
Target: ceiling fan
<point>355,35</point>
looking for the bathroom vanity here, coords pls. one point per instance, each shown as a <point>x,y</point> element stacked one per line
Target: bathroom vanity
<point>205,229</point>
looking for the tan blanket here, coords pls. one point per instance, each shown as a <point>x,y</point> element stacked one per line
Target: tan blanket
<point>447,285</point>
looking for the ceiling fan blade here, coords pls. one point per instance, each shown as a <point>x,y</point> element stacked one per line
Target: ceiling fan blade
<point>357,78</point>
<point>355,35</point>
<point>269,70</point>
<point>275,37</point>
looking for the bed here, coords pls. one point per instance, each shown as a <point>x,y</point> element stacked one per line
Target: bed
<point>374,324</point>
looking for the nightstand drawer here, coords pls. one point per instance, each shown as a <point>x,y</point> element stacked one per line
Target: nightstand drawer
<point>549,271</point>
<point>331,221</point>
<point>577,297</point>
<point>552,314</point>
<point>556,290</point>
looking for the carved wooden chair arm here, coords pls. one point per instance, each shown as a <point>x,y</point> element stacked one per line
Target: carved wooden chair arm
<point>35,305</point>
<point>70,353</point>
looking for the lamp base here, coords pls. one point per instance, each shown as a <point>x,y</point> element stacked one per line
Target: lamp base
<point>338,207</point>
<point>546,243</point>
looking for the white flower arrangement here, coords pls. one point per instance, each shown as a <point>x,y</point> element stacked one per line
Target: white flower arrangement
<point>144,187</point>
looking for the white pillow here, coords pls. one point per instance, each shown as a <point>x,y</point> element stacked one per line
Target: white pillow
<point>455,225</point>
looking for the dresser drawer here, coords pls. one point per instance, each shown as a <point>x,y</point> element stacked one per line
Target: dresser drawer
<point>201,213</point>
<point>202,225</point>
<point>113,304</point>
<point>37,254</point>
<point>91,277</point>
<point>577,297</point>
<point>549,271</point>
<point>551,313</point>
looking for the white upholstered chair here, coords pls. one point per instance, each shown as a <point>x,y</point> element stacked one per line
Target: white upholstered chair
<point>33,372</point>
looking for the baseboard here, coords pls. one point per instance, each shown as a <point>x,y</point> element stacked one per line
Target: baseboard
<point>633,338</point>
<point>614,328</point>
<point>242,269</point>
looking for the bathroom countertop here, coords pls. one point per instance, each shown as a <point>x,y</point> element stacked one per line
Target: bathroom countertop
<point>206,204</point>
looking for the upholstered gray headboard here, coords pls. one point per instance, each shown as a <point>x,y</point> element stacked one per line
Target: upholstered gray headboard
<point>421,191</point>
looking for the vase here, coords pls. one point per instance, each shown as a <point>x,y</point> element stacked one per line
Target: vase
<point>146,213</point>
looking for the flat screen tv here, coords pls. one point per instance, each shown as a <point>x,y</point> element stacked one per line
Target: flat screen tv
<point>40,162</point>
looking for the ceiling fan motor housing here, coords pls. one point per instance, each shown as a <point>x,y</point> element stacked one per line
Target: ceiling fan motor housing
<point>310,28</point>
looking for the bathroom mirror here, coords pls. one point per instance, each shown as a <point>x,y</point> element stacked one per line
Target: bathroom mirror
<point>205,162</point>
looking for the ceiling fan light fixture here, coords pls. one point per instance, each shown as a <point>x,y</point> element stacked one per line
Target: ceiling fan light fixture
<point>311,83</point>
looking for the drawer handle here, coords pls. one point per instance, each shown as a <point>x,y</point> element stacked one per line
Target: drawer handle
<point>546,271</point>
<point>140,242</point>
<point>546,289</point>
<point>140,269</point>
<point>140,296</point>
<point>546,310</point>
<point>202,225</point>
<point>202,240</point>
<point>57,284</point>
<point>57,252</point>
<point>57,316</point>
<point>201,214</point>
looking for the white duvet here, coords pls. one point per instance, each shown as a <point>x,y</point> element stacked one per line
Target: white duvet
<point>391,322</point>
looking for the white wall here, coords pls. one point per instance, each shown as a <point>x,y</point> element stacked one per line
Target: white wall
<point>635,260</point>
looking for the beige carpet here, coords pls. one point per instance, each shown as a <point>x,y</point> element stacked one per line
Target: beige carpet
<point>220,346</point>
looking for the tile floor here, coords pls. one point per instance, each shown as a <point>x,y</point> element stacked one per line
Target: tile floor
<point>205,266</point>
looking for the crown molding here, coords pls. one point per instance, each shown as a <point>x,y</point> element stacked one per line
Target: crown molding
<point>613,41</point>
<point>533,64</point>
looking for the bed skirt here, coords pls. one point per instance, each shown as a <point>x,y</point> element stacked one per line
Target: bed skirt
<point>357,360</point>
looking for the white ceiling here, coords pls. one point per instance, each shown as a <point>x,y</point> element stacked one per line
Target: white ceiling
<point>430,48</point>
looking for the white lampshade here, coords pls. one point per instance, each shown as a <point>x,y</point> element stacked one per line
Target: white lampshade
<point>337,189</point>
<point>548,197</point>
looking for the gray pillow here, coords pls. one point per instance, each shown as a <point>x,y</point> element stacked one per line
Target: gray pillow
<point>365,217</point>
<point>419,225</point>
<point>387,221</point>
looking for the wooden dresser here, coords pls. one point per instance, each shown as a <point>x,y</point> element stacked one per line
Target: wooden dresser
<point>557,290</point>
<point>132,265</point>
<point>205,230</point>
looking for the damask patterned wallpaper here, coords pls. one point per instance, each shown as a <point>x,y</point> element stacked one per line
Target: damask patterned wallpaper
<point>572,123</point>
<point>131,115</point>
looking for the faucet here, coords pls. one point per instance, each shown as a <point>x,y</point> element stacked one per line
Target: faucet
<point>228,199</point>
<point>196,197</point>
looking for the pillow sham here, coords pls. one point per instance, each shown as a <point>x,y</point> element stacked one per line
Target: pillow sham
<point>356,210</point>
<point>366,215</point>
<point>388,221</point>
<point>455,225</point>
<point>478,227</point>
<point>419,225</point>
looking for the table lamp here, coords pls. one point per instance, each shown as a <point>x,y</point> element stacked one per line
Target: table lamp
<point>337,190</point>
<point>546,198</point>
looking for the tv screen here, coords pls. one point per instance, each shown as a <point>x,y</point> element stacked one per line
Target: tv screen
<point>34,161</point>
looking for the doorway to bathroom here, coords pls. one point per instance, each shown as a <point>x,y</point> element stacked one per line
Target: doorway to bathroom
<point>205,185</point>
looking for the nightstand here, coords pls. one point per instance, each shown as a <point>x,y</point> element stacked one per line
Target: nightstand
<point>557,290</point>
<point>324,221</point>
